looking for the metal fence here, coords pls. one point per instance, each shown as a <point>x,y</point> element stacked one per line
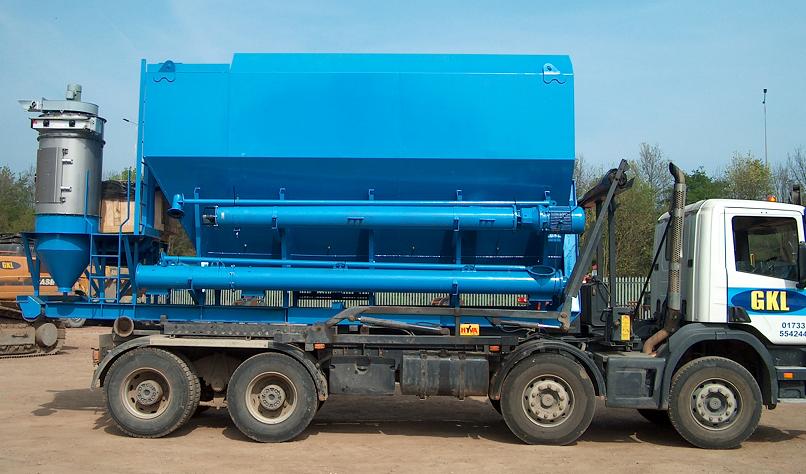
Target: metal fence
<point>628,291</point>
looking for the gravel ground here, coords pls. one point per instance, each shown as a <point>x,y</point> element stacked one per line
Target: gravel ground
<point>51,422</point>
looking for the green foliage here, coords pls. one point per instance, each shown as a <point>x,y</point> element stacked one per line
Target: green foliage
<point>635,228</point>
<point>122,175</point>
<point>747,177</point>
<point>16,200</point>
<point>180,244</point>
<point>701,186</point>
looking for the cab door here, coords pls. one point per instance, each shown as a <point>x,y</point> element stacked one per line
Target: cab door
<point>761,263</point>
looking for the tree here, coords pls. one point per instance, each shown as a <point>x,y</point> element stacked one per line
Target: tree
<point>796,164</point>
<point>701,186</point>
<point>747,177</point>
<point>782,181</point>
<point>635,234</point>
<point>585,175</point>
<point>653,169</point>
<point>180,244</point>
<point>16,200</point>
<point>123,175</point>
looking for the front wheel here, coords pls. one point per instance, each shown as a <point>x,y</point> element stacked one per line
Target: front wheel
<point>548,399</point>
<point>271,398</point>
<point>714,403</point>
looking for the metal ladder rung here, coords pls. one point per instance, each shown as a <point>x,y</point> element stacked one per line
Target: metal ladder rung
<point>107,256</point>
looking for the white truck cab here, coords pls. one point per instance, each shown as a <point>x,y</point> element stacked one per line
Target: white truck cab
<point>739,266</point>
<point>728,335</point>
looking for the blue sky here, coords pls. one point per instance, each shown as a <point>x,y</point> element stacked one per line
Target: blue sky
<point>686,75</point>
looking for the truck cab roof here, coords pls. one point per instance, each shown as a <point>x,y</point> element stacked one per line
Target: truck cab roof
<point>718,204</point>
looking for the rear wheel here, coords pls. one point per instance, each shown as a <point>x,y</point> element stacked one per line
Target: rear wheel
<point>151,392</point>
<point>548,399</point>
<point>715,403</point>
<point>271,398</point>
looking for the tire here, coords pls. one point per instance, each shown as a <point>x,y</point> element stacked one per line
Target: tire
<point>496,405</point>
<point>656,417</point>
<point>74,322</point>
<point>271,398</point>
<point>129,390</point>
<point>730,399</point>
<point>545,377</point>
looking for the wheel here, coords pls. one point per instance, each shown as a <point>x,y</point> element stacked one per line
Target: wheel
<point>74,322</point>
<point>271,398</point>
<point>496,405</point>
<point>658,417</point>
<point>151,392</point>
<point>548,399</point>
<point>714,403</point>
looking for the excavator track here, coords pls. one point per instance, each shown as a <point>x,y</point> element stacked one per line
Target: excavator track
<point>20,338</point>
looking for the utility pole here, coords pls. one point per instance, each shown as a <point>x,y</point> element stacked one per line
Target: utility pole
<point>764,103</point>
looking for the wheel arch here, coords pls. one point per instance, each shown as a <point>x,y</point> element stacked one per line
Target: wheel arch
<point>305,358</point>
<point>545,346</point>
<point>734,344</point>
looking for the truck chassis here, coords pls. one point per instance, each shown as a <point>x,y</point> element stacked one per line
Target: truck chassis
<point>544,381</point>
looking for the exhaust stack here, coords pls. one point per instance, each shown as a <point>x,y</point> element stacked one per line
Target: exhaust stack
<point>674,246</point>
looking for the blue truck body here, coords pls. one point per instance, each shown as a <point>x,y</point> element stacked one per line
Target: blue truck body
<point>345,173</point>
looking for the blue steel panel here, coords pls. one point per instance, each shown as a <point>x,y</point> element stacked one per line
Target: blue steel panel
<point>336,126</point>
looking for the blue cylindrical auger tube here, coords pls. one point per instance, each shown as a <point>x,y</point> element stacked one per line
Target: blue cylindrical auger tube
<point>466,218</point>
<point>537,285</point>
<point>550,219</point>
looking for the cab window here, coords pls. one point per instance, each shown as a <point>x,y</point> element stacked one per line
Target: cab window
<point>766,246</point>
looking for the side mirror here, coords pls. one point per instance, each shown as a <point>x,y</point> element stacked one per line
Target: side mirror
<point>802,265</point>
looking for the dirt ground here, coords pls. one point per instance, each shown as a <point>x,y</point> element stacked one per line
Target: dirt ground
<point>51,421</point>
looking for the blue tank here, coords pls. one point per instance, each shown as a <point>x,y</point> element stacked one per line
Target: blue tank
<point>359,172</point>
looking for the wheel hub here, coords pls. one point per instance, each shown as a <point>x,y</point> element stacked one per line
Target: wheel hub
<point>714,404</point>
<point>148,392</point>
<point>272,397</point>
<point>548,400</point>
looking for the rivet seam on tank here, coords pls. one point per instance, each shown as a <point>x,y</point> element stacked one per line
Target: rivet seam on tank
<point>167,72</point>
<point>552,74</point>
